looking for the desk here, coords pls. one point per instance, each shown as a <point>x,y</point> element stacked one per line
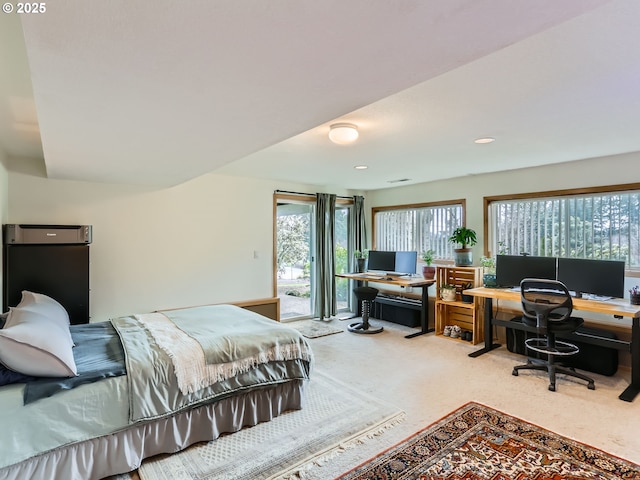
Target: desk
<point>616,307</point>
<point>401,282</point>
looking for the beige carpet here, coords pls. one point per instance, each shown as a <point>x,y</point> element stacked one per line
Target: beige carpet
<point>316,328</point>
<point>336,417</point>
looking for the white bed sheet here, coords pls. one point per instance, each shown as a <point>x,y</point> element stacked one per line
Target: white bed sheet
<point>123,451</point>
<point>74,415</point>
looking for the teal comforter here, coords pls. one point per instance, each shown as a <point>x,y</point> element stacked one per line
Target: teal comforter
<point>153,387</point>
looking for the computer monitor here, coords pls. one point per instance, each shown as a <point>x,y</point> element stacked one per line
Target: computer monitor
<point>596,277</point>
<point>511,269</point>
<point>380,260</point>
<point>406,262</point>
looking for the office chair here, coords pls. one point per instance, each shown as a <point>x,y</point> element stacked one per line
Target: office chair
<point>547,306</point>
<point>365,295</point>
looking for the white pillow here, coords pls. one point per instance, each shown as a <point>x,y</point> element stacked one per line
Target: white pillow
<point>47,306</point>
<point>36,339</point>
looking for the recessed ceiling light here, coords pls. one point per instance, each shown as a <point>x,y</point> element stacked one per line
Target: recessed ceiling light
<point>360,167</point>
<point>485,140</point>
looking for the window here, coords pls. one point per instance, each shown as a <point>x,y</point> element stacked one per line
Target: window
<point>602,224</point>
<point>418,227</point>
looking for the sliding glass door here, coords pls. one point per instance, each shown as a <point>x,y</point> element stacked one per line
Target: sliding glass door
<point>294,222</point>
<point>294,262</point>
<point>342,256</point>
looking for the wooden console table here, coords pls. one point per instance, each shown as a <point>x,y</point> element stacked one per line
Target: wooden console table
<point>401,282</point>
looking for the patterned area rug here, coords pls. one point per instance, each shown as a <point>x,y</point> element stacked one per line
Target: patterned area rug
<point>478,443</point>
<point>316,328</point>
<point>335,417</point>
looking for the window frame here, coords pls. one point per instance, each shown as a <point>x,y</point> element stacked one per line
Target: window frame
<point>306,199</point>
<point>569,192</point>
<point>385,208</point>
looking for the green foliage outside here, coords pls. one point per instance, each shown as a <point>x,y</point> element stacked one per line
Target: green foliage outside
<point>598,227</point>
<point>342,266</point>
<point>293,251</point>
<point>293,241</point>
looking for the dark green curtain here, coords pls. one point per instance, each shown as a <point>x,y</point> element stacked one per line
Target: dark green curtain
<point>357,240</point>
<point>325,304</point>
<point>357,230</point>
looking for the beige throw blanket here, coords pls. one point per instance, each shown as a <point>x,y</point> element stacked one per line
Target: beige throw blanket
<point>269,341</point>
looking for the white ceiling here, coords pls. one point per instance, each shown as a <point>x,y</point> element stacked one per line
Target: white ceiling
<point>159,92</point>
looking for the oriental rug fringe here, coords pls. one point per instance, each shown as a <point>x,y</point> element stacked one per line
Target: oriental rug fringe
<point>479,443</point>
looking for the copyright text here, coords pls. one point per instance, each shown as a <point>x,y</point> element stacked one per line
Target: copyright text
<point>24,8</point>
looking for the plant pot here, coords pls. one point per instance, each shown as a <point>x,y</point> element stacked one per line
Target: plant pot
<point>448,294</point>
<point>360,264</point>
<point>634,299</point>
<point>462,257</point>
<point>489,280</point>
<point>466,298</point>
<point>428,272</point>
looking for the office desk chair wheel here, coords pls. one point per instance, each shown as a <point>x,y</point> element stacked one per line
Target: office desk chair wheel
<point>553,369</point>
<point>365,295</point>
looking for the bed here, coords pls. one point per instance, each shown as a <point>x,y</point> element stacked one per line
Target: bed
<point>152,383</point>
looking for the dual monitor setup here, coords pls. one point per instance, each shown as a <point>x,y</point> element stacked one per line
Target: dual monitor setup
<point>602,278</point>
<point>392,263</point>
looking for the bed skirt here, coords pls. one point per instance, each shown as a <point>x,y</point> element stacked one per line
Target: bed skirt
<point>124,451</point>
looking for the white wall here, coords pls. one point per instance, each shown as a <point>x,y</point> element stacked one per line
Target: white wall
<point>194,243</point>
<point>188,245</point>
<point>4,188</point>
<point>613,170</point>
<point>619,169</point>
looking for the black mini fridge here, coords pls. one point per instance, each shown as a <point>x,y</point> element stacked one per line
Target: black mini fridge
<point>49,259</point>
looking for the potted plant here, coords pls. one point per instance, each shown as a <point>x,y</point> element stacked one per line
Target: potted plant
<point>466,298</point>
<point>428,271</point>
<point>465,237</point>
<point>361,259</point>
<point>489,271</point>
<point>448,292</point>
<point>634,295</point>
<point>489,266</point>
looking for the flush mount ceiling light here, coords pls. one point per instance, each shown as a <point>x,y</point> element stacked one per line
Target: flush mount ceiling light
<point>484,140</point>
<point>343,133</point>
<point>360,167</point>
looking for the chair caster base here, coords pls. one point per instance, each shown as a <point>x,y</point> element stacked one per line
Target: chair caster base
<point>514,372</point>
<point>360,327</point>
<point>552,387</point>
<point>591,386</point>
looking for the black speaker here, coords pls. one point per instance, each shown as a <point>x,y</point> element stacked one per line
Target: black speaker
<point>397,310</point>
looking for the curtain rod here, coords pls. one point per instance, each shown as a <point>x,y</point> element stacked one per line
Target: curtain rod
<point>308,194</point>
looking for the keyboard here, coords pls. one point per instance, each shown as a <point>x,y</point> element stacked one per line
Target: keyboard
<point>598,298</point>
<point>371,275</point>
